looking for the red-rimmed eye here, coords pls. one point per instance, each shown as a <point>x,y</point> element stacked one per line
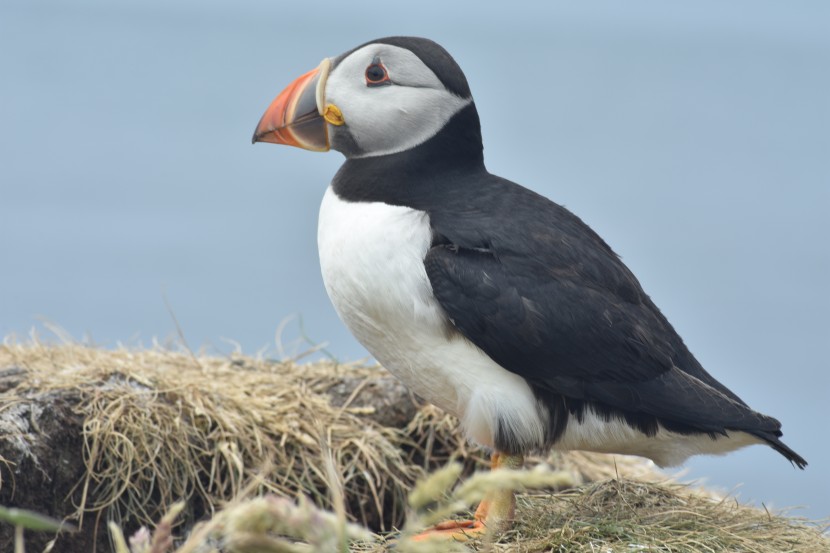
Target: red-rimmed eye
<point>376,74</point>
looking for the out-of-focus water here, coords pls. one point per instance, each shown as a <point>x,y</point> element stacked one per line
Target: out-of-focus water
<point>694,137</point>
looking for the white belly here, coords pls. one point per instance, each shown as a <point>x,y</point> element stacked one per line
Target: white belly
<point>371,255</point>
<point>667,449</point>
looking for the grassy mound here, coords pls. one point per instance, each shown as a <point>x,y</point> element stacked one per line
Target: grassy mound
<point>608,516</point>
<point>96,436</point>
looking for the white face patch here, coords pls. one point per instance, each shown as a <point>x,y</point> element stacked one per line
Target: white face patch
<point>388,119</point>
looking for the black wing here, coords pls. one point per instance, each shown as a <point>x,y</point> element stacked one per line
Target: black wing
<point>539,292</point>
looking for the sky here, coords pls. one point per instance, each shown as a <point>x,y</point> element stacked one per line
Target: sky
<point>693,136</point>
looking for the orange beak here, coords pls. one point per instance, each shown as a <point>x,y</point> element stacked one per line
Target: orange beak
<point>295,117</point>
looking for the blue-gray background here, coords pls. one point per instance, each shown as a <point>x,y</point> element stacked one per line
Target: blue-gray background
<point>693,136</point>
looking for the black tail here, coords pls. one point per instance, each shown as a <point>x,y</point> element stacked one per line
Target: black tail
<point>782,448</point>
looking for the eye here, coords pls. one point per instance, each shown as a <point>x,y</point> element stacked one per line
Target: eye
<point>376,74</point>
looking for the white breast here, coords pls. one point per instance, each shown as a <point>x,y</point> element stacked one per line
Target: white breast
<point>371,255</point>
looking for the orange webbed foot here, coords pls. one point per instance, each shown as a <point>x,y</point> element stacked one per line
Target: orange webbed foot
<point>458,530</point>
<point>495,512</point>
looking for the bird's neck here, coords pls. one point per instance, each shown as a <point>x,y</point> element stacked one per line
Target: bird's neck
<point>412,176</point>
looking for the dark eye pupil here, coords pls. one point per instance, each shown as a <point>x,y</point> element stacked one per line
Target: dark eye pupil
<point>375,73</point>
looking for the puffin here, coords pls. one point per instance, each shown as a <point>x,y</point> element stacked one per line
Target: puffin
<point>483,297</point>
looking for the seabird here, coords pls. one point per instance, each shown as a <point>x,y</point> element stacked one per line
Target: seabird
<point>483,297</point>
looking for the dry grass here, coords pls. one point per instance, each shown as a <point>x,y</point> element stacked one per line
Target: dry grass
<point>627,515</point>
<point>229,437</point>
<point>606,516</point>
<point>161,427</point>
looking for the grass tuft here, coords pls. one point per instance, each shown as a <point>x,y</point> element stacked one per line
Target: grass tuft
<point>162,426</point>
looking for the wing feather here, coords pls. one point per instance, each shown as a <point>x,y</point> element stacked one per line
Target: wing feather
<point>547,299</point>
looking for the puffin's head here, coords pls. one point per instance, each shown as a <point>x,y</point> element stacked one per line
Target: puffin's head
<point>383,97</point>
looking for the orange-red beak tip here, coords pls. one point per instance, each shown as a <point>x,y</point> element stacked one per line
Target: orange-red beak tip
<point>293,117</point>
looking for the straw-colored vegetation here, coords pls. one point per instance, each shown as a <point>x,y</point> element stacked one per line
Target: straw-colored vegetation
<point>249,454</point>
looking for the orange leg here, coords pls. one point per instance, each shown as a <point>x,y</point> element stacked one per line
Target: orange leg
<point>495,512</point>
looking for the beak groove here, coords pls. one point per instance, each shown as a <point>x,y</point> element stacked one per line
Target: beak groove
<point>295,118</point>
